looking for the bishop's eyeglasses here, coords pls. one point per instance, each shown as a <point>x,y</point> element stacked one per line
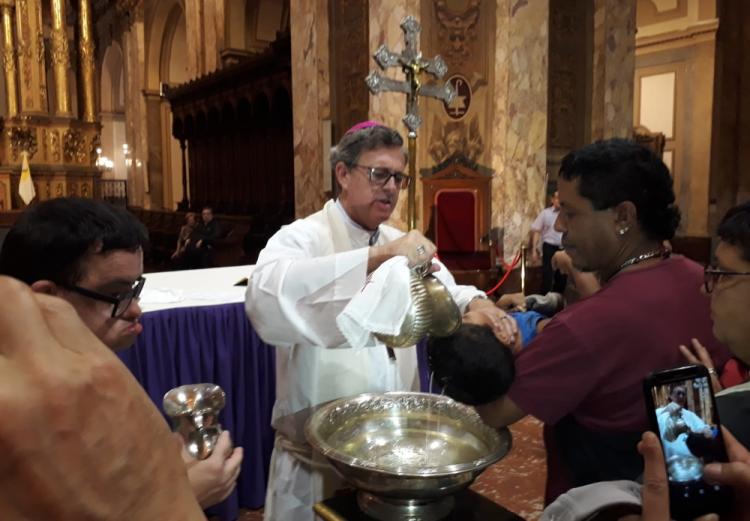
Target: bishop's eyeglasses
<point>380,176</point>
<point>120,303</point>
<point>712,276</point>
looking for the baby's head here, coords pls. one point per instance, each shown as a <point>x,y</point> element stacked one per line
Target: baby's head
<point>472,365</point>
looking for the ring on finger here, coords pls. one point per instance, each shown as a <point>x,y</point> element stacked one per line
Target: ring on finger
<point>420,250</point>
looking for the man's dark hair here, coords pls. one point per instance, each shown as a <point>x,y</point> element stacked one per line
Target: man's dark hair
<point>735,229</point>
<point>617,170</point>
<point>354,144</point>
<point>50,239</point>
<point>472,365</point>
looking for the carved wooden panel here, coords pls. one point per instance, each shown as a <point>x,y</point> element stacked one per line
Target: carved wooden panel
<point>458,31</point>
<point>568,54</point>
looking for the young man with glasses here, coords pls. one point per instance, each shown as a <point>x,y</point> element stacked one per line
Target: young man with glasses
<point>90,253</point>
<point>305,276</point>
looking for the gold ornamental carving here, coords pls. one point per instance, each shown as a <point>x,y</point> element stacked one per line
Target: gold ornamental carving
<point>457,30</point>
<point>60,49</point>
<point>72,189</point>
<point>54,145</point>
<point>9,60</point>
<point>22,139</point>
<point>74,146</point>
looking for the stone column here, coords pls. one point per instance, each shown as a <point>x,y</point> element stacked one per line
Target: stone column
<point>310,101</point>
<point>519,133</point>
<point>389,108</point>
<point>30,48</point>
<point>60,57</point>
<point>613,69</point>
<point>87,61</point>
<point>9,57</point>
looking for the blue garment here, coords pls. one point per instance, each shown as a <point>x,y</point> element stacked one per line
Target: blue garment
<point>527,322</point>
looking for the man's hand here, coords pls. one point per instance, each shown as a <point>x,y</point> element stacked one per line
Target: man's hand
<point>699,355</point>
<point>504,327</point>
<point>80,438</point>
<point>414,246</point>
<point>562,262</point>
<point>214,478</point>
<point>512,302</point>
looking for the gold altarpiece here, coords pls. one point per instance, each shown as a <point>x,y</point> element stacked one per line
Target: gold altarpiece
<point>61,145</point>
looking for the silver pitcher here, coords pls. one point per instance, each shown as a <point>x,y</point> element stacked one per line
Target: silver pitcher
<point>432,312</point>
<point>194,411</point>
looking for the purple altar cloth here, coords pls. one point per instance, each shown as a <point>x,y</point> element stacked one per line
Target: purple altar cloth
<point>215,344</point>
<point>218,344</point>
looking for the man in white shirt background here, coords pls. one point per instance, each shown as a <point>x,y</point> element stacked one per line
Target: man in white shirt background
<point>545,240</point>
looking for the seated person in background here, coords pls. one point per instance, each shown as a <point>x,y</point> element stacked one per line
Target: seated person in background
<point>90,253</point>
<point>198,253</point>
<point>183,239</point>
<point>70,453</point>
<point>583,374</point>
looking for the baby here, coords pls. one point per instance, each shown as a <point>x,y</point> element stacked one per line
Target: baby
<point>473,365</point>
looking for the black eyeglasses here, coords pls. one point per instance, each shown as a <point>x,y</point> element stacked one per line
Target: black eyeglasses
<point>120,303</point>
<point>712,276</point>
<point>380,176</point>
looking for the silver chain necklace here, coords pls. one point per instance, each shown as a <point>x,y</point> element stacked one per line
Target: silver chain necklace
<point>640,258</point>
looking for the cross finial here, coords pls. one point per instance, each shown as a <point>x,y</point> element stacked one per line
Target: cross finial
<point>411,62</point>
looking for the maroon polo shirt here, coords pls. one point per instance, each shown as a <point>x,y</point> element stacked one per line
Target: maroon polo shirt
<point>589,363</point>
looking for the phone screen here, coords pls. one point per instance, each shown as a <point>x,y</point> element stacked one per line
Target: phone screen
<point>684,410</point>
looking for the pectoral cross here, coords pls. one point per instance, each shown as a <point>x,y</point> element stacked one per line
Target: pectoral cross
<point>413,65</point>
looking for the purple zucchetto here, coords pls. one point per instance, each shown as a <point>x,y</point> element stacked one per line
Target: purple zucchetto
<point>363,125</point>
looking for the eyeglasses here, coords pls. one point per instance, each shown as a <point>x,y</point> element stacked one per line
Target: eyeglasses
<point>380,176</point>
<point>120,303</point>
<point>712,276</point>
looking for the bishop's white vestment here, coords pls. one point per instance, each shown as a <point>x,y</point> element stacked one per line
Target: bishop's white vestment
<point>304,277</point>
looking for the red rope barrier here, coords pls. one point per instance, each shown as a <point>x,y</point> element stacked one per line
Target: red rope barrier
<point>508,270</point>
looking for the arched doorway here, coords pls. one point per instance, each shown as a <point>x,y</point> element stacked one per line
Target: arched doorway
<point>112,96</point>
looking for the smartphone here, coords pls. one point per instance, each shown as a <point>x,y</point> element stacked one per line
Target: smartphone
<point>682,410</point>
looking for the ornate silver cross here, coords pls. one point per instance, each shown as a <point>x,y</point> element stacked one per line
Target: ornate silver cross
<point>412,63</point>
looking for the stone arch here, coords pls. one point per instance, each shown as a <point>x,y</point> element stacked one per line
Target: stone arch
<point>167,63</point>
<point>112,107</point>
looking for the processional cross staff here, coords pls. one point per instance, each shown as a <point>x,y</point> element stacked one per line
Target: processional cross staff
<point>411,62</point>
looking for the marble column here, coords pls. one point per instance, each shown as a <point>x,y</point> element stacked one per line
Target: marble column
<point>30,51</point>
<point>389,108</point>
<point>86,59</point>
<point>194,26</point>
<point>613,69</point>
<point>134,55</point>
<point>9,57</point>
<point>519,132</point>
<point>310,102</point>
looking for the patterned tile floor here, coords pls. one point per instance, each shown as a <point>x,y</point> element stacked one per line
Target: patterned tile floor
<point>516,482</point>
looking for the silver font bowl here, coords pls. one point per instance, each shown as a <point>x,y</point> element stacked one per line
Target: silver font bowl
<point>404,445</point>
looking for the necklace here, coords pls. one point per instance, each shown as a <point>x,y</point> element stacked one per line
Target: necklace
<point>640,258</point>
